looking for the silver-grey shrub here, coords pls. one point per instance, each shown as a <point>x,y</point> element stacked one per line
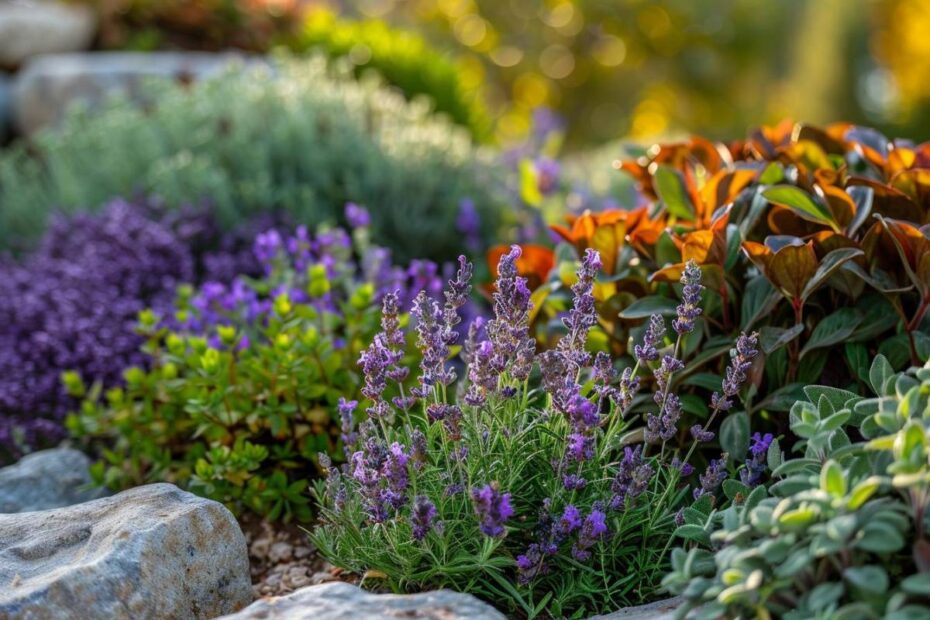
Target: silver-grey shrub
<point>299,135</point>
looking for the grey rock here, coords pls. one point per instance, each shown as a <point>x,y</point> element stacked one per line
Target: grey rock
<point>29,28</point>
<point>341,601</point>
<point>48,85</point>
<point>151,552</point>
<point>47,479</point>
<point>660,610</point>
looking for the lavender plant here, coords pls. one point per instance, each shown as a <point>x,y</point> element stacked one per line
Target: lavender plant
<point>247,381</point>
<point>559,499</point>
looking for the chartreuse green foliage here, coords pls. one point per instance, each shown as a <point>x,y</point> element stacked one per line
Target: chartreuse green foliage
<point>302,136</point>
<point>404,59</point>
<point>240,393</point>
<point>842,532</point>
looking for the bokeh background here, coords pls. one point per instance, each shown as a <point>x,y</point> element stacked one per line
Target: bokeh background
<point>612,68</point>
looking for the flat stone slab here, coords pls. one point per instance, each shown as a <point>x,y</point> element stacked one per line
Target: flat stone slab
<point>48,85</point>
<point>151,552</point>
<point>660,610</point>
<point>341,601</point>
<point>47,479</point>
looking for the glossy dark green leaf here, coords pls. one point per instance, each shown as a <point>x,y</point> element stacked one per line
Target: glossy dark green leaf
<point>672,192</point>
<point>802,203</point>
<point>833,329</point>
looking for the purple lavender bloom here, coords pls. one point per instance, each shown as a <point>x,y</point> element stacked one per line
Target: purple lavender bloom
<point>629,386</point>
<point>593,529</point>
<point>632,478</point>
<point>396,474</point>
<point>689,309</point>
<point>454,489</point>
<point>684,467</point>
<point>357,216</point>
<point>509,348</point>
<point>380,361</point>
<point>582,413</point>
<point>647,352</point>
<point>418,449</point>
<point>468,223</point>
<point>583,315</point>
<point>349,436</point>
<point>573,482</point>
<point>700,435</point>
<point>740,363</point>
<point>422,517</point>
<point>547,175</point>
<point>580,447</point>
<point>663,425</point>
<point>713,477</point>
<point>570,520</point>
<point>436,329</point>
<point>751,475</point>
<point>268,246</point>
<point>493,509</point>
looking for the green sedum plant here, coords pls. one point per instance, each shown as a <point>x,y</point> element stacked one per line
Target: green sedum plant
<point>242,385</point>
<point>841,532</point>
<point>300,136</point>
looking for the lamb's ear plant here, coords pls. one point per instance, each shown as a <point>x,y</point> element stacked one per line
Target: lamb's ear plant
<point>552,500</point>
<point>842,531</point>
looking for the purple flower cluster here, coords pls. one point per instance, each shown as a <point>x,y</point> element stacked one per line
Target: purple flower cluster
<point>662,425</point>
<point>509,348</point>
<point>436,330</point>
<point>751,474</point>
<point>688,310</point>
<point>422,517</point>
<point>655,332</point>
<point>383,475</point>
<point>713,477</point>
<point>72,304</point>
<point>381,360</point>
<point>493,509</point>
<point>740,363</point>
<point>553,530</point>
<point>632,478</point>
<point>468,223</point>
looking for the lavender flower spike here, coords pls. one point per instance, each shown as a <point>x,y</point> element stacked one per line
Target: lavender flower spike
<point>688,309</point>
<point>422,517</point>
<point>648,352</point>
<point>740,363</point>
<point>583,315</point>
<point>493,509</point>
<point>712,478</point>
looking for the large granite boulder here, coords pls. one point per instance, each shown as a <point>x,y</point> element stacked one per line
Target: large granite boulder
<point>48,85</point>
<point>32,27</point>
<point>47,479</point>
<point>151,552</point>
<point>339,601</point>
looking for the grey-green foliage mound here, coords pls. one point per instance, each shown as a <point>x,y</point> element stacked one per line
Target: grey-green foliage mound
<point>303,136</point>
